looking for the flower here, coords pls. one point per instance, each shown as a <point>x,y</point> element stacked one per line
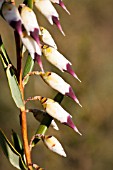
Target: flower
<point>30,22</point>
<point>53,144</point>
<point>33,49</point>
<point>60,2</point>
<point>46,38</point>
<point>12,16</point>
<point>56,111</point>
<point>48,10</point>
<point>58,60</point>
<point>57,83</point>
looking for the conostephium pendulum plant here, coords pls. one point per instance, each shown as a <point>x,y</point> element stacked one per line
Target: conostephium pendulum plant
<point>37,41</point>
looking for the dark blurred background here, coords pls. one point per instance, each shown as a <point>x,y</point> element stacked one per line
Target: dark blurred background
<point>88,44</point>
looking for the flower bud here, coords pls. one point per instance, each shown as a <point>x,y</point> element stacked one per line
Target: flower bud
<point>48,10</point>
<point>53,144</point>
<point>57,83</point>
<point>33,49</point>
<point>30,22</point>
<point>60,2</point>
<point>12,16</point>
<point>58,60</point>
<point>46,38</point>
<point>56,111</point>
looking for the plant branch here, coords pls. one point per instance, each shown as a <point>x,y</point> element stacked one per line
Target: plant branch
<point>22,111</point>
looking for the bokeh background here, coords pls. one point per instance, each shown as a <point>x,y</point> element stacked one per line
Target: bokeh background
<point>88,44</point>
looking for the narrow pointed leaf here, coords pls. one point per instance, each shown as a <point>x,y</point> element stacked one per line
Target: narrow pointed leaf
<point>17,142</point>
<point>28,68</point>
<point>11,153</point>
<point>6,59</point>
<point>12,80</point>
<point>14,87</point>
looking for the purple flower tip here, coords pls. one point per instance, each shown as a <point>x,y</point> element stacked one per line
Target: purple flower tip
<point>72,95</point>
<point>63,6</point>
<point>70,71</point>
<point>34,34</point>
<point>17,25</point>
<point>38,59</point>
<point>56,21</point>
<point>71,125</point>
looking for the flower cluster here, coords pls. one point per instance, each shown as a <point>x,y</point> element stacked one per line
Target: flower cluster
<point>38,41</point>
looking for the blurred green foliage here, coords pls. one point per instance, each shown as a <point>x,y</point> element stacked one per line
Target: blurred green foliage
<point>89,46</point>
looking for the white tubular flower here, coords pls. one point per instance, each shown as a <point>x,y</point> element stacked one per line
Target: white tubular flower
<point>33,48</point>
<point>46,38</point>
<point>57,83</point>
<point>39,115</point>
<point>60,2</point>
<point>58,60</point>
<point>30,22</point>
<point>56,111</point>
<point>53,144</point>
<point>12,16</point>
<point>48,10</point>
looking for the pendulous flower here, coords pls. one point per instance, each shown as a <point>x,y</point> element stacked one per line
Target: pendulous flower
<point>53,144</point>
<point>48,10</point>
<point>56,111</point>
<point>60,2</point>
<point>30,22</point>
<point>46,38</point>
<point>58,60</point>
<point>57,83</point>
<point>33,49</point>
<point>12,16</point>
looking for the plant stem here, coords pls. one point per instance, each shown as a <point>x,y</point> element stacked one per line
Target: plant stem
<point>29,3</point>
<point>22,111</point>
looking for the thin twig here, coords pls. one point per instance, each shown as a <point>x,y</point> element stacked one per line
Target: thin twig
<point>32,139</point>
<point>36,166</point>
<point>33,98</point>
<point>30,74</point>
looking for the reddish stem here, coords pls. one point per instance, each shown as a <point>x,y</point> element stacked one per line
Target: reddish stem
<point>22,111</point>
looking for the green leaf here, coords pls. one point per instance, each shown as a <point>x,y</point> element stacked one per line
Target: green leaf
<point>11,76</point>
<point>14,87</point>
<point>11,153</point>
<point>28,68</point>
<point>6,61</point>
<point>17,142</point>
